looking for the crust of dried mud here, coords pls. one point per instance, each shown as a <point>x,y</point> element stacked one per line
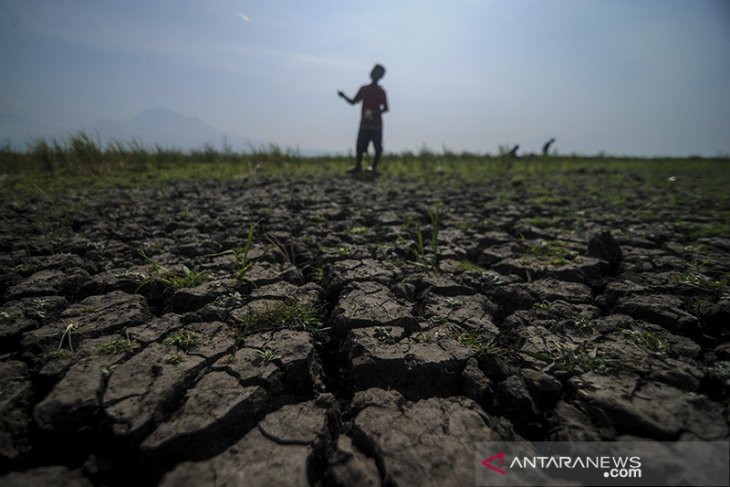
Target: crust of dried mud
<point>571,320</point>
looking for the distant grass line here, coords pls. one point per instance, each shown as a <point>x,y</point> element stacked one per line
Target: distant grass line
<point>81,161</point>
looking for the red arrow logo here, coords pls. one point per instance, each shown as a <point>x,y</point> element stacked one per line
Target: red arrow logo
<point>488,463</point>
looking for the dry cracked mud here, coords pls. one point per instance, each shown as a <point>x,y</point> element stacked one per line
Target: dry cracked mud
<point>145,338</point>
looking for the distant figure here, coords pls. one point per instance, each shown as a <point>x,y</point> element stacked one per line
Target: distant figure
<point>546,147</point>
<point>374,104</point>
<point>513,152</point>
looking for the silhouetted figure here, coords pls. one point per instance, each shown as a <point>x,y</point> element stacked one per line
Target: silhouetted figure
<point>374,104</point>
<point>546,147</point>
<point>513,152</point>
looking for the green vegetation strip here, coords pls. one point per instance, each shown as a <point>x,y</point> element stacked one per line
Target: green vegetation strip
<point>82,162</point>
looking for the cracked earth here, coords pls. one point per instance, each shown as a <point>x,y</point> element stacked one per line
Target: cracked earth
<point>144,341</point>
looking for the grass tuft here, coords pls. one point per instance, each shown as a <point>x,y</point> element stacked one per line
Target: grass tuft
<point>292,316</point>
<point>184,340</point>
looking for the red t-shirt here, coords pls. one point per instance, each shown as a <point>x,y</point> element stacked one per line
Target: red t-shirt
<point>373,100</point>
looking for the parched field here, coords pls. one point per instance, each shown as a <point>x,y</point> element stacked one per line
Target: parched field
<point>326,330</point>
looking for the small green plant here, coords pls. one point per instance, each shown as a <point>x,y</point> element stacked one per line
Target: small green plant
<point>356,231</point>
<point>696,279</point>
<point>120,345</point>
<point>420,250</point>
<point>453,303</point>
<point>160,273</point>
<point>268,355</point>
<point>240,254</point>
<point>426,337</point>
<point>564,361</point>
<point>344,251</point>
<point>230,358</point>
<point>70,328</point>
<point>541,221</point>
<point>37,308</point>
<point>317,274</point>
<point>384,334</point>
<point>647,341</point>
<point>489,277</point>
<point>60,354</point>
<point>430,259</point>
<point>553,252</point>
<point>175,358</point>
<point>188,278</point>
<point>437,320</point>
<point>434,214</point>
<point>544,305</point>
<point>720,371</point>
<point>583,322</point>
<point>286,252</point>
<point>469,266</point>
<point>184,340</point>
<point>233,298</point>
<point>479,343</point>
<point>291,315</point>
<point>464,226</point>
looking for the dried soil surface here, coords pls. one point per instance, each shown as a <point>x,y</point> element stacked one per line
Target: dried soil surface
<point>139,346</point>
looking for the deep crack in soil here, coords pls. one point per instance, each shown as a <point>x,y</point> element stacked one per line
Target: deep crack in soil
<point>144,341</point>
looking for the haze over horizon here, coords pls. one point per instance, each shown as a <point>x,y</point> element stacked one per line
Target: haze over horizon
<point>626,77</point>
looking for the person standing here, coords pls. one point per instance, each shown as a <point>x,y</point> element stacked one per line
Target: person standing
<point>374,104</point>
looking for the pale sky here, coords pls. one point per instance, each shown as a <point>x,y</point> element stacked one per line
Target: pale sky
<point>627,77</point>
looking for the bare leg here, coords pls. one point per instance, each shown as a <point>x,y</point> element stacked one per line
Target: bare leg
<point>378,144</point>
<point>360,148</point>
<point>376,159</point>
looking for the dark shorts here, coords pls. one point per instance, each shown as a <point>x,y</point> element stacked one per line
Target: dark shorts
<point>364,136</point>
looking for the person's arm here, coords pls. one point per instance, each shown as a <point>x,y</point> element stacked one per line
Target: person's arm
<point>347,98</point>
<point>384,104</point>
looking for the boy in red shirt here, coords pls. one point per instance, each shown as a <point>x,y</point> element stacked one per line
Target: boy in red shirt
<point>374,104</point>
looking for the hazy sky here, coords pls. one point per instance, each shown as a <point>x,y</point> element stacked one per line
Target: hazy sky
<point>642,77</point>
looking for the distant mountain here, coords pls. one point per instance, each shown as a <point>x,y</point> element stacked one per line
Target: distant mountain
<point>151,128</point>
<point>161,127</point>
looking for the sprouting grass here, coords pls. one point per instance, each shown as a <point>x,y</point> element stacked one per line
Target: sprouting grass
<point>479,343</point>
<point>428,259</point>
<point>292,316</point>
<point>720,371</point>
<point>701,281</point>
<point>554,252</point>
<point>488,276</point>
<point>566,362</point>
<point>241,254</point>
<point>469,266</point>
<point>434,214</point>
<point>647,341</point>
<point>286,252</point>
<point>715,229</point>
<point>175,358</point>
<point>188,278</point>
<point>184,340</point>
<point>67,335</point>
<point>184,279</point>
<point>356,231</point>
<point>317,274</point>
<point>120,345</point>
<point>268,355</point>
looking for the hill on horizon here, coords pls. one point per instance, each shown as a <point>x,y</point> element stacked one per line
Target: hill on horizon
<point>151,128</point>
<point>166,128</point>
